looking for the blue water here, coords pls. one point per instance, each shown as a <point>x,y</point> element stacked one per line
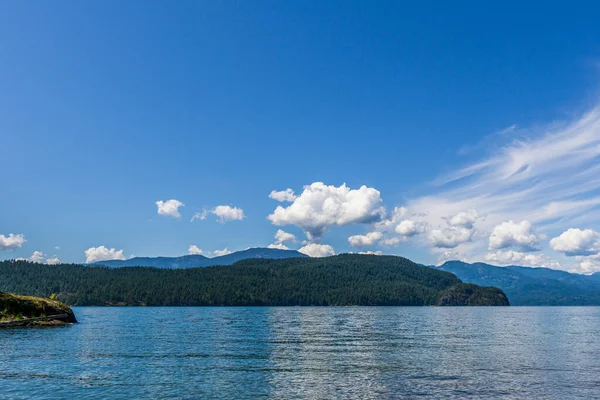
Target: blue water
<point>316,353</point>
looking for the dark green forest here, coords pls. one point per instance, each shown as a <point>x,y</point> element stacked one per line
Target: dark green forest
<point>339,280</point>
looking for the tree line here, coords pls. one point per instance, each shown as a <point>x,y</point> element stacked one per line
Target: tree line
<point>333,281</point>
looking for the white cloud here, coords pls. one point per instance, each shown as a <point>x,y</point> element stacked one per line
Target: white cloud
<point>373,253</point>
<point>53,261</point>
<point>512,234</point>
<point>588,264</point>
<point>464,219</point>
<point>102,253</point>
<point>449,255</point>
<point>367,240</point>
<point>577,242</point>
<point>450,237</point>
<point>224,213</point>
<point>283,196</point>
<point>410,228</point>
<point>320,207</point>
<point>194,250</point>
<point>228,213</point>
<point>397,215</point>
<point>199,215</point>
<point>11,241</point>
<point>393,241</point>
<point>37,257</point>
<point>223,252</point>
<point>169,208</point>
<point>511,257</point>
<point>57,247</point>
<point>317,250</point>
<point>282,236</point>
<point>279,246</point>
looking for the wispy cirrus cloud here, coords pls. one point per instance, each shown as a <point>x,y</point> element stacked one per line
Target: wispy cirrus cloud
<point>547,177</point>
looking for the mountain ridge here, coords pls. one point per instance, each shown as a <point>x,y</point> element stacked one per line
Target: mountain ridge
<point>199,260</point>
<point>529,285</point>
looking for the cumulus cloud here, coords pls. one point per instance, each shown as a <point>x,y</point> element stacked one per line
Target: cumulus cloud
<point>102,253</point>
<point>512,234</point>
<point>11,241</point>
<point>393,241</point>
<point>194,250</point>
<point>53,261</point>
<point>373,253</point>
<point>589,264</point>
<point>169,208</point>
<point>396,216</point>
<point>228,213</point>
<point>317,250</point>
<point>279,246</point>
<point>37,257</point>
<point>450,237</point>
<point>283,195</point>
<point>511,257</point>
<point>464,219</point>
<point>577,242</point>
<point>282,236</point>
<point>320,207</point>
<point>367,240</point>
<point>449,255</point>
<point>223,252</point>
<point>459,230</point>
<point>410,228</point>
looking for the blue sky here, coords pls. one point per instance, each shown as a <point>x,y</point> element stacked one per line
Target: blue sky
<point>477,124</point>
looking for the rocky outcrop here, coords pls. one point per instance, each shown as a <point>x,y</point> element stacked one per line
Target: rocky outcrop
<point>18,310</point>
<point>467,294</point>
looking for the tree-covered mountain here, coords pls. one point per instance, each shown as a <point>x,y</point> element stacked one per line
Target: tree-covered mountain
<point>531,286</point>
<point>192,261</point>
<point>339,280</point>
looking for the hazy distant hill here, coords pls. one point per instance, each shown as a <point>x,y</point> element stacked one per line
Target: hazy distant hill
<point>531,286</point>
<point>348,279</point>
<point>192,261</point>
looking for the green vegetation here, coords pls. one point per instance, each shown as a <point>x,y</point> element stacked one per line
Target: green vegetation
<point>17,308</point>
<point>340,280</point>
<point>472,295</point>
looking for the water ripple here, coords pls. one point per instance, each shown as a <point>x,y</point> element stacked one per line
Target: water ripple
<point>316,353</point>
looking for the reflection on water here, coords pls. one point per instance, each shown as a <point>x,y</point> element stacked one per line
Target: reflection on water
<point>355,352</point>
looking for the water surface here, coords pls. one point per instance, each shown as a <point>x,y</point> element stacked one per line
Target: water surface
<point>305,352</point>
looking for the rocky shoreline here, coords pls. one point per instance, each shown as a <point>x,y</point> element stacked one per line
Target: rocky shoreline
<point>16,311</point>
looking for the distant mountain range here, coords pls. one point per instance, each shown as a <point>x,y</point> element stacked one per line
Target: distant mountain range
<point>192,261</point>
<point>527,286</point>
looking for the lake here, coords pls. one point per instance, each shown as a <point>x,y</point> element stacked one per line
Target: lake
<point>307,352</point>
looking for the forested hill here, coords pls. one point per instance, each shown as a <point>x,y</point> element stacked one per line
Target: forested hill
<point>339,280</point>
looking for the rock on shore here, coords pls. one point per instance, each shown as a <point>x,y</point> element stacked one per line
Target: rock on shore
<point>18,310</point>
